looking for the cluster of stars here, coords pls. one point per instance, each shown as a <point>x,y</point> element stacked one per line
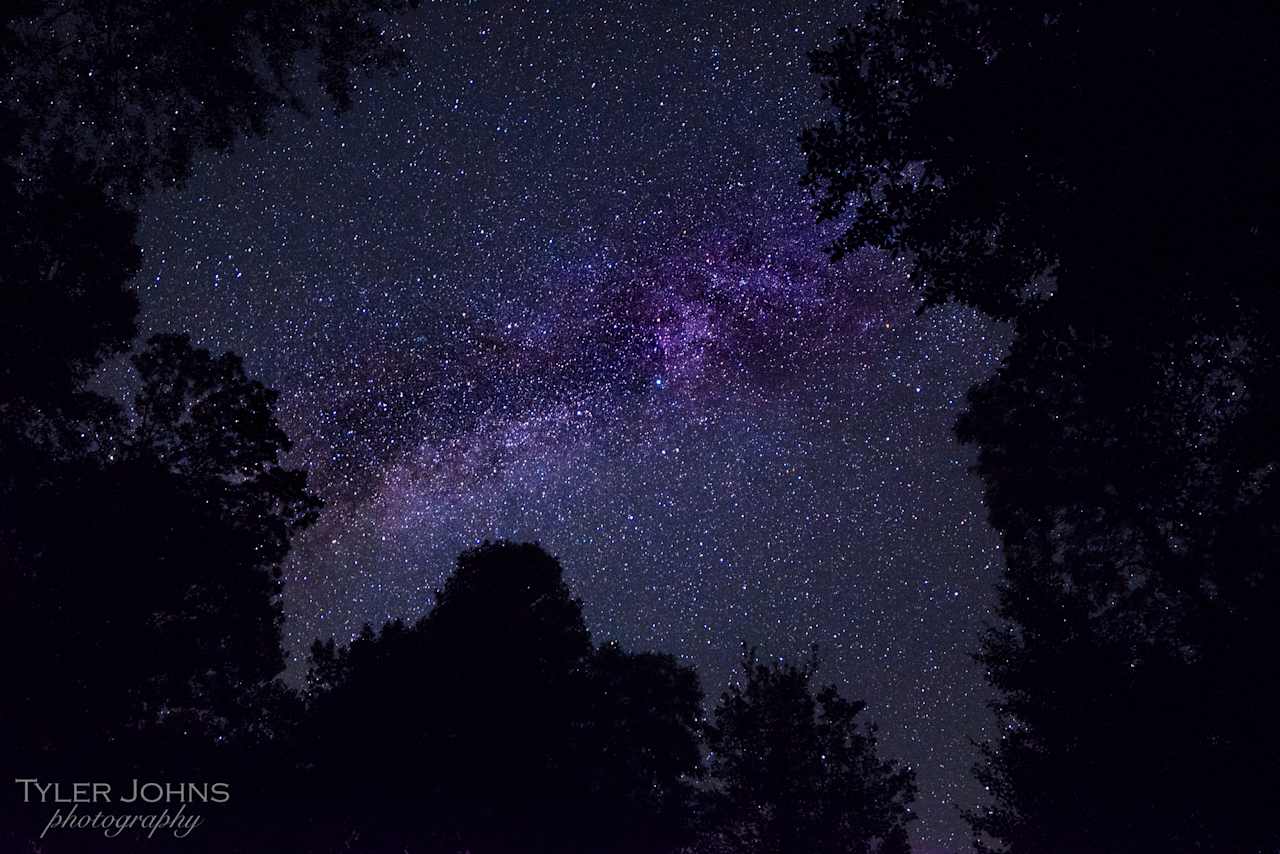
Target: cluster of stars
<point>556,281</point>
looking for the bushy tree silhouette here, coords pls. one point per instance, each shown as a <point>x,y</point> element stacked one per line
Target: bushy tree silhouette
<point>150,571</point>
<point>493,724</point>
<point>1100,175</point>
<point>793,769</point>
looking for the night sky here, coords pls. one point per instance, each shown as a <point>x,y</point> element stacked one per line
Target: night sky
<point>556,281</point>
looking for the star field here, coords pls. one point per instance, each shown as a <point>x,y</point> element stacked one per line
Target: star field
<point>556,281</point>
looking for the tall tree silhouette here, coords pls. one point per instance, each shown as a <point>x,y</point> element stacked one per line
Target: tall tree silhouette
<point>492,724</point>
<point>795,770</point>
<point>138,555</point>
<point>1100,176</point>
<point>158,563</point>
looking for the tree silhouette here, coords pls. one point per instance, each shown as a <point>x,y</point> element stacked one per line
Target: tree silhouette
<point>640,752</point>
<point>99,102</point>
<point>139,554</point>
<point>998,144</point>
<point>166,597</point>
<point>65,300</point>
<point>492,724</point>
<point>1100,176</point>
<point>136,88</point>
<point>794,770</point>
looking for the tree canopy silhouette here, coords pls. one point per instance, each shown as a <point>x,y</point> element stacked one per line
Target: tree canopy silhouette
<point>100,102</point>
<point>150,570</point>
<point>1101,176</point>
<point>494,724</point>
<point>136,88</point>
<point>793,769</point>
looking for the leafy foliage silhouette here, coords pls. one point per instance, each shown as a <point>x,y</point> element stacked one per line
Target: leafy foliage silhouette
<point>136,89</point>
<point>793,769</point>
<point>1099,175</point>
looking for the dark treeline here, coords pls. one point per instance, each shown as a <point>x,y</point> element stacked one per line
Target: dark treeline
<point>1098,175</point>
<point>495,724</point>
<point>492,724</point>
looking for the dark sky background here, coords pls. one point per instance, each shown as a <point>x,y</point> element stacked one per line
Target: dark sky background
<point>557,281</point>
